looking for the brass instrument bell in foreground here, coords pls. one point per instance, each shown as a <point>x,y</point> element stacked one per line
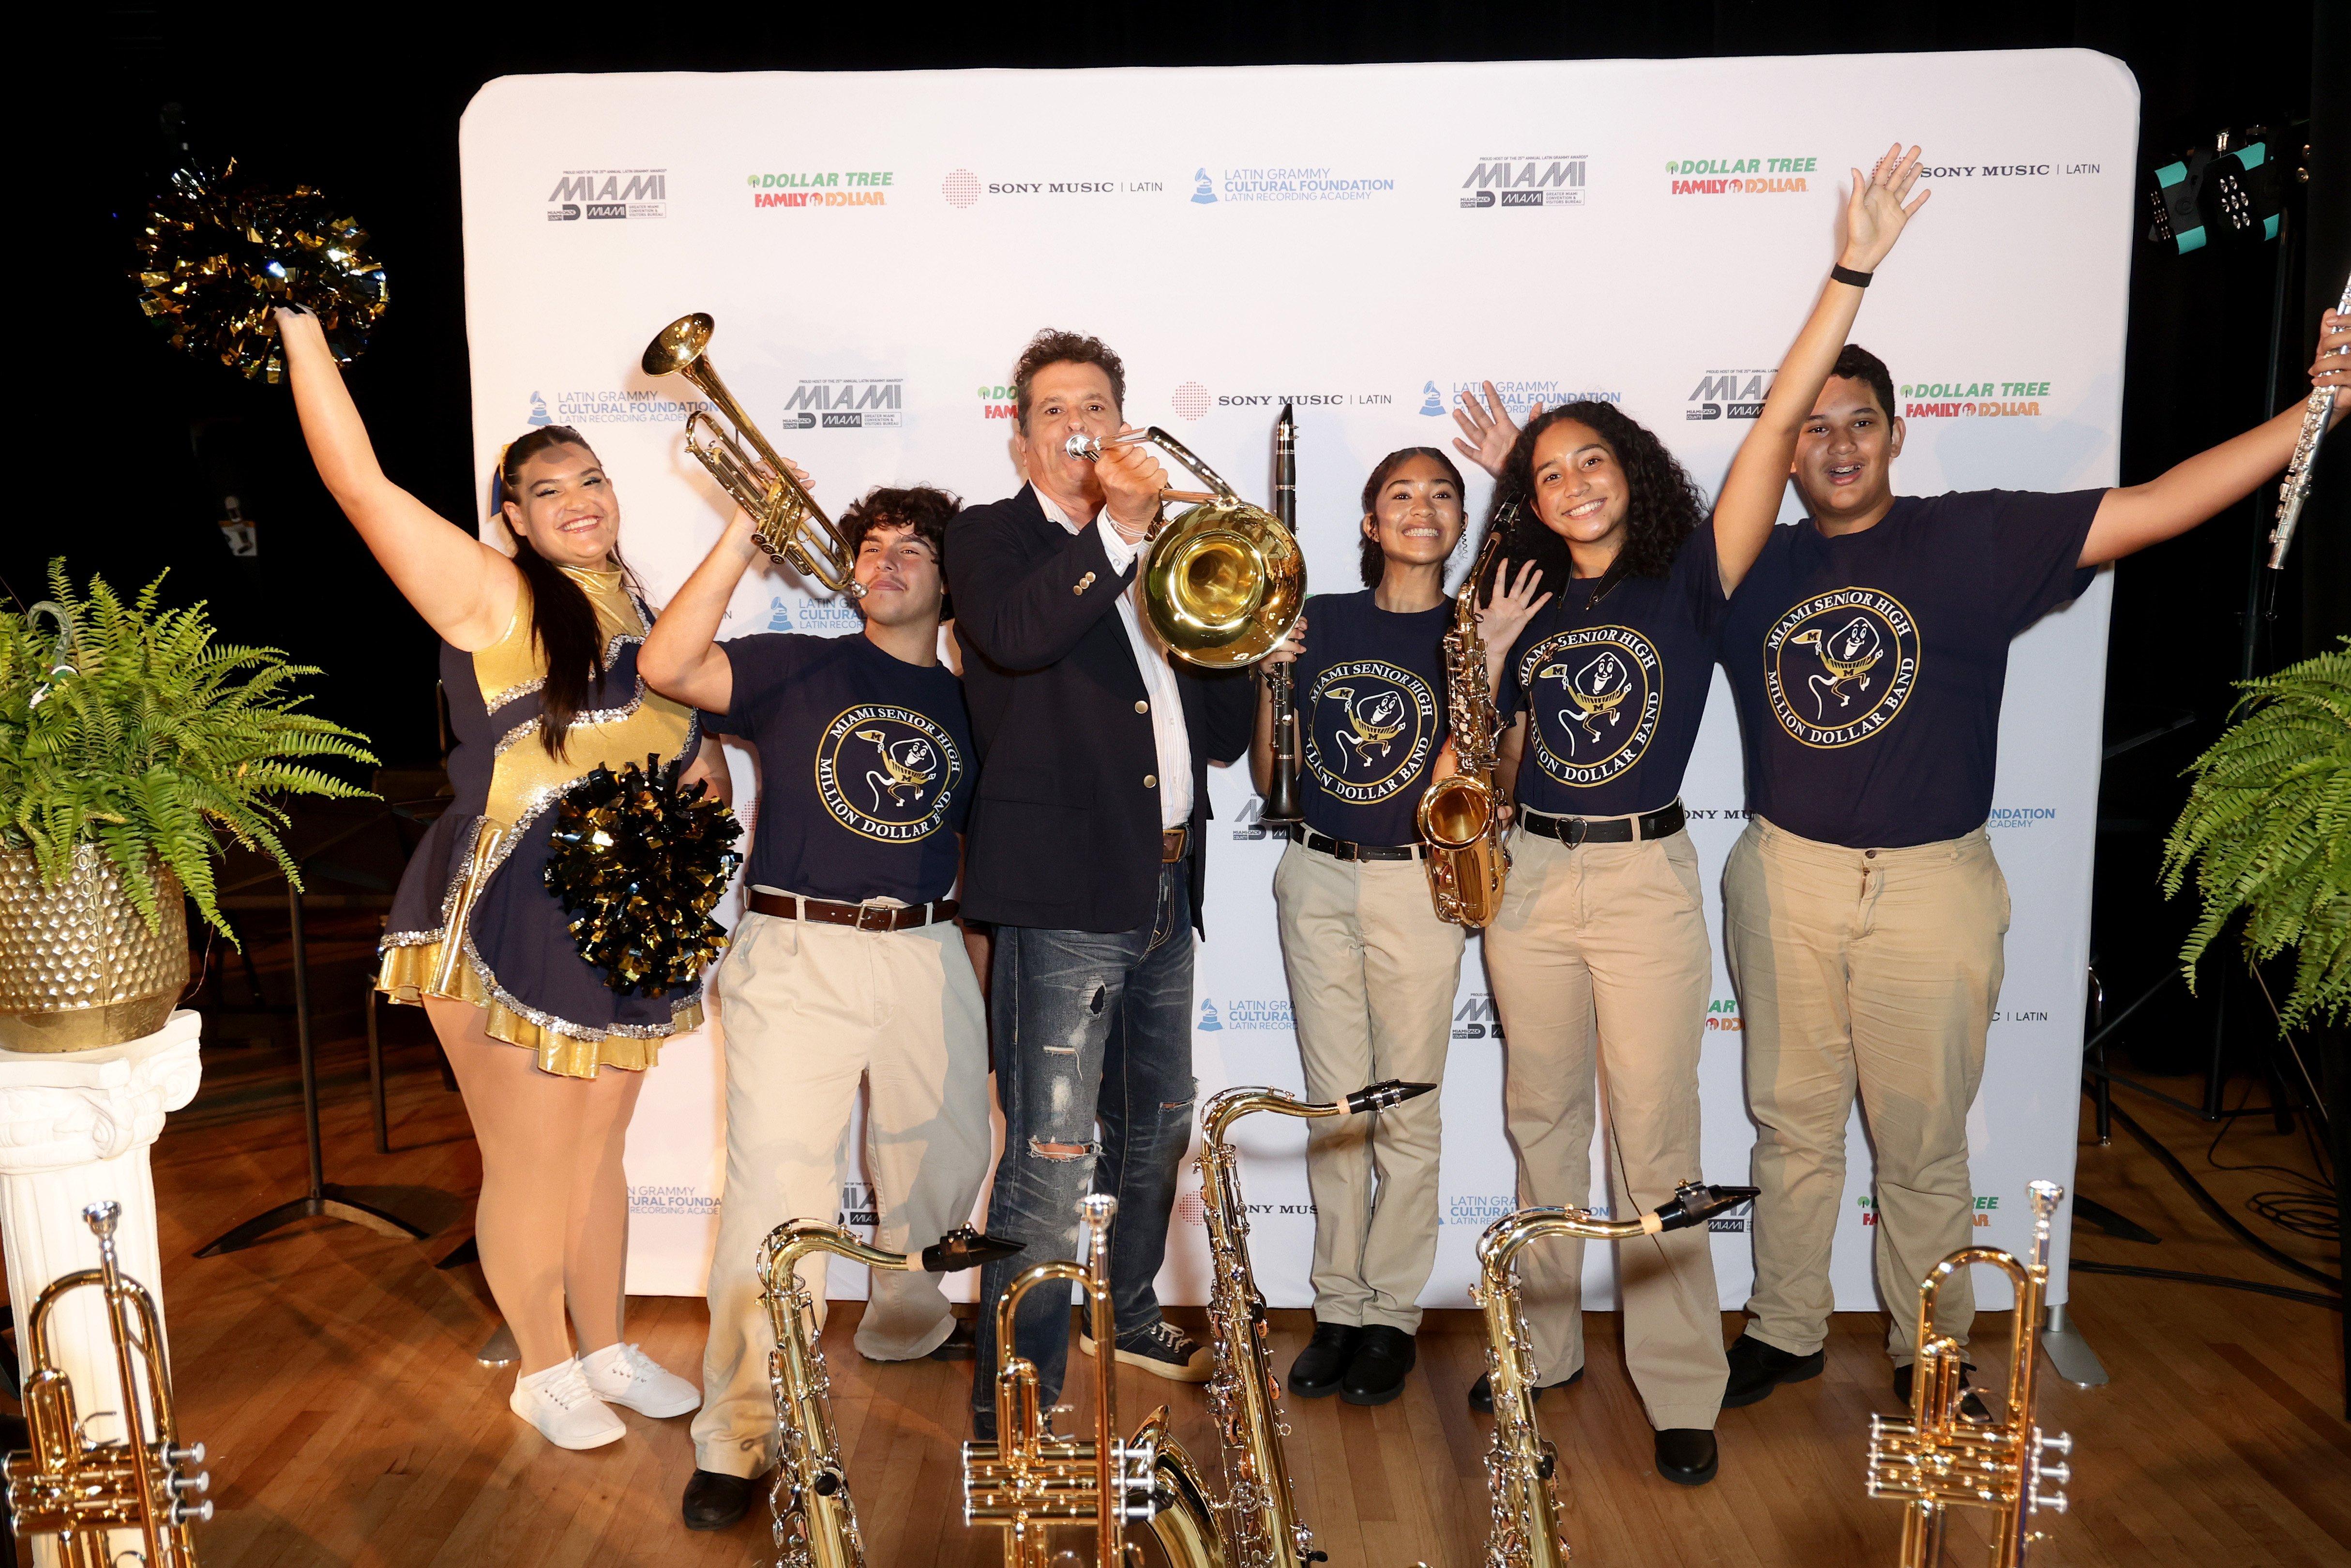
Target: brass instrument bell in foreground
<point>76,1488</point>
<point>788,523</point>
<point>1225,580</point>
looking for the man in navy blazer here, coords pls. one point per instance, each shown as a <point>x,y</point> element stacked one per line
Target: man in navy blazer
<point>1084,850</point>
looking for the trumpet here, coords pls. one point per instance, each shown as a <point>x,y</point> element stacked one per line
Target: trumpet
<point>816,1523</point>
<point>1243,1393</point>
<point>1937,1460</point>
<point>1520,1463</point>
<point>786,520</point>
<point>1028,1480</point>
<point>77,1488</point>
<point>1461,815</point>
<point>1225,580</point>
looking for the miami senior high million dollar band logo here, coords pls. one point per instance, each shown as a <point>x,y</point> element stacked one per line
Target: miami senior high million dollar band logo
<point>1596,692</point>
<point>1369,727</point>
<point>1840,665</point>
<point>887,773</point>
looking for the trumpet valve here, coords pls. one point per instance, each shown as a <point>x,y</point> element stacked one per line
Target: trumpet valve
<point>2063,1443</point>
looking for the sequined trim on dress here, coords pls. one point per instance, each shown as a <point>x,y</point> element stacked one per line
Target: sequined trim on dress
<point>612,652</point>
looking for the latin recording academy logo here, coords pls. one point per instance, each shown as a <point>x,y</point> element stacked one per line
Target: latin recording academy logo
<point>1262,1013</point>
<point>823,617</point>
<point>1370,727</point>
<point>962,188</point>
<point>1729,394</point>
<point>846,402</point>
<point>614,405</point>
<point>1972,400</point>
<point>1555,181</point>
<point>822,188</point>
<point>1597,692</point>
<point>887,773</point>
<point>1286,183</point>
<point>1740,176</point>
<point>1519,397</point>
<point>1840,665</point>
<point>606,193</point>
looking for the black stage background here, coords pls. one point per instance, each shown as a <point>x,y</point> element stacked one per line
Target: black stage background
<point>364,102</point>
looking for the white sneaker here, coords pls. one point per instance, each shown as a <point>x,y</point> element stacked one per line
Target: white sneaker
<point>626,1375</point>
<point>566,1411</point>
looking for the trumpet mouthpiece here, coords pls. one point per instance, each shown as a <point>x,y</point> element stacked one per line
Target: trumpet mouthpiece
<point>101,1217</point>
<point>1082,446</point>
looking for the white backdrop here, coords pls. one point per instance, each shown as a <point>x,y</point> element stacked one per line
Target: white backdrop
<point>1363,240</point>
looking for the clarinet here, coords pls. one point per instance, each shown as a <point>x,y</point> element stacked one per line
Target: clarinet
<point>2316,414</point>
<point>1281,806</point>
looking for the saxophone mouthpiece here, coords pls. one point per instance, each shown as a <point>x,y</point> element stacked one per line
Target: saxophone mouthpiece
<point>1694,1203</point>
<point>964,1248</point>
<point>1380,1096</point>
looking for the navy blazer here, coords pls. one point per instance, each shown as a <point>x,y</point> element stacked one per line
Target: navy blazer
<point>1064,834</point>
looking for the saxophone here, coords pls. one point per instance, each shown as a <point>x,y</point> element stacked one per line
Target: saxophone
<point>1461,815</point>
<point>816,1523</point>
<point>1938,1459</point>
<point>1520,1462</point>
<point>1262,1529</point>
<point>2295,490</point>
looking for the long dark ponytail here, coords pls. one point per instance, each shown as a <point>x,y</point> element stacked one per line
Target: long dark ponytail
<point>562,619</point>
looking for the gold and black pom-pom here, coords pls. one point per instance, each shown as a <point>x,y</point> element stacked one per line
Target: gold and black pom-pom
<point>218,252</point>
<point>639,864</point>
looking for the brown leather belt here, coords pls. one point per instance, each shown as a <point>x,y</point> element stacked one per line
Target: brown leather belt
<point>864,916</point>
<point>1573,831</point>
<point>1171,845</point>
<point>1344,849</point>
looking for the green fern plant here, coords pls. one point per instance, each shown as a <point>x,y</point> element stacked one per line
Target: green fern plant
<point>2267,830</point>
<point>132,731</point>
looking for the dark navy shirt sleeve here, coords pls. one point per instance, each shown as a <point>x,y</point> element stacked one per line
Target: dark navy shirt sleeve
<point>762,665</point>
<point>2035,540</point>
<point>1699,577</point>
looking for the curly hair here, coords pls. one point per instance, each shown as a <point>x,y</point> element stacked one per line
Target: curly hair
<point>1374,563</point>
<point>925,509</point>
<point>1666,504</point>
<point>1055,346</point>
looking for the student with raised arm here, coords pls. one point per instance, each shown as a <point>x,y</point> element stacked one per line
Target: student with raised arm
<point>1863,909</point>
<point>538,656</point>
<point>1599,957</point>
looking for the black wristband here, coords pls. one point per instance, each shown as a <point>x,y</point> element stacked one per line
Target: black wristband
<point>1844,273</point>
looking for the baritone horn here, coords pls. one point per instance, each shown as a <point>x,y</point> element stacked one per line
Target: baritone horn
<point>787,522</point>
<point>71,1486</point>
<point>1225,580</point>
<point>1939,1459</point>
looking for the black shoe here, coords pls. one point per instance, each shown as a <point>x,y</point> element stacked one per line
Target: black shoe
<point>1686,1455</point>
<point>1970,1407</point>
<point>1756,1368</point>
<point>1319,1366</point>
<point>1481,1392</point>
<point>1383,1358</point>
<point>962,1343</point>
<point>715,1501</point>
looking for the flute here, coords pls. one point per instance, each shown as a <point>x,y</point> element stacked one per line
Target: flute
<point>2295,490</point>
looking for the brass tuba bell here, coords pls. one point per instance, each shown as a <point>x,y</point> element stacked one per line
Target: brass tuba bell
<point>1226,580</point>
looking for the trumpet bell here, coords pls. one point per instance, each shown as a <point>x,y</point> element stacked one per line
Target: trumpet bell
<point>679,344</point>
<point>1225,584</point>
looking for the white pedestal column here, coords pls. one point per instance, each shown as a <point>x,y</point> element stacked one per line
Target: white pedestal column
<point>75,1127</point>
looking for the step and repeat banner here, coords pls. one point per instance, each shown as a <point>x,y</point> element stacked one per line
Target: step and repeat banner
<point>1363,243</point>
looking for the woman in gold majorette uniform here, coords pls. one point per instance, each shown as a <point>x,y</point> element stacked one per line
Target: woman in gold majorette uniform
<point>538,660</point>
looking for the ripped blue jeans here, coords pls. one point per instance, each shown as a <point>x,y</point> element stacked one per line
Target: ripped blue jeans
<point>1091,1030</point>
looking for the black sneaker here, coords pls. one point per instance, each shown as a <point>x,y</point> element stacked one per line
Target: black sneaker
<point>1316,1371</point>
<point>715,1501</point>
<point>1970,1407</point>
<point>1384,1359</point>
<point>1756,1368</point>
<point>1481,1392</point>
<point>1163,1350</point>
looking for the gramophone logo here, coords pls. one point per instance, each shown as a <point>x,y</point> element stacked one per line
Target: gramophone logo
<point>887,773</point>
<point>1597,693</point>
<point>538,410</point>
<point>1369,729</point>
<point>1432,402</point>
<point>1203,190</point>
<point>1209,1023</point>
<point>1840,665</point>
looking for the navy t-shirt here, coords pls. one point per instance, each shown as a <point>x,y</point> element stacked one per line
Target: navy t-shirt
<point>1371,715</point>
<point>865,767</point>
<point>1614,691</point>
<point>1868,668</point>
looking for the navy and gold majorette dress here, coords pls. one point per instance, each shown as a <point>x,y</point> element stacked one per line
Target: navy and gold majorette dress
<point>520,963</point>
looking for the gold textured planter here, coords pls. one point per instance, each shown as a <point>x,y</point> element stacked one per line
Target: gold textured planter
<point>80,970</point>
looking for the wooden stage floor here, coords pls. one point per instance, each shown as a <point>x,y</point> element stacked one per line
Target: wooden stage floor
<point>332,1374</point>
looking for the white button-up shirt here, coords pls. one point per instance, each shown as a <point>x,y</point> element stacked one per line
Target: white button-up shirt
<point>1175,746</point>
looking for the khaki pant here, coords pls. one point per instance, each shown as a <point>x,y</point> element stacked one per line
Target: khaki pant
<point>810,1013</point>
<point>1876,969</point>
<point>1601,967</point>
<point>1373,973</point>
